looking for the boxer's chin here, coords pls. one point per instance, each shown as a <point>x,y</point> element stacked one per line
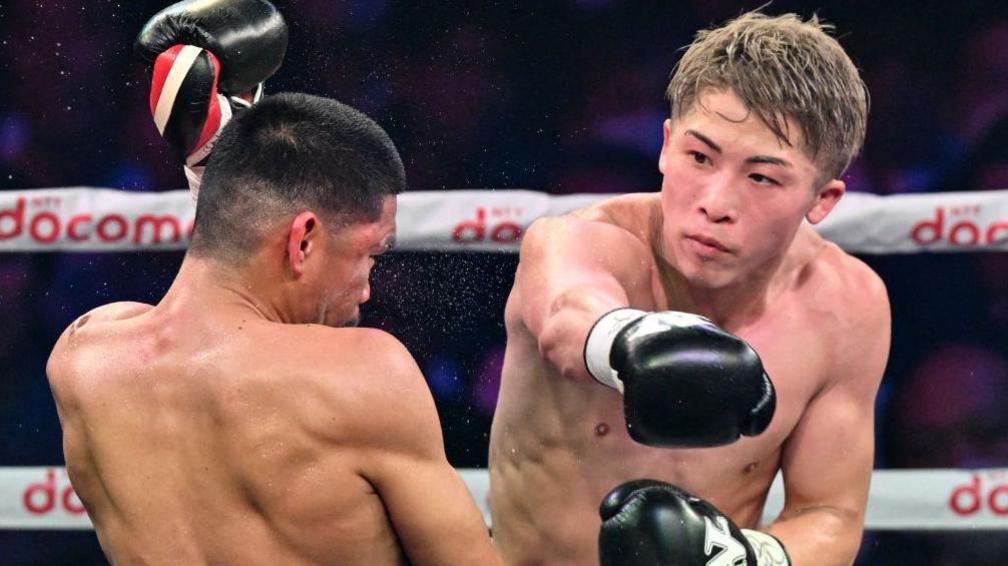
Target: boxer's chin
<point>333,319</point>
<point>353,320</point>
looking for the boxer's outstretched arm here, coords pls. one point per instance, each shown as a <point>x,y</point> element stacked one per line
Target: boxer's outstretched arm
<point>827,461</point>
<point>429,506</point>
<point>571,271</point>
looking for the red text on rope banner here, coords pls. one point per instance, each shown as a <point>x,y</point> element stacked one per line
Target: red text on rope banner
<point>970,498</point>
<point>505,232</point>
<point>963,228</point>
<point>42,497</point>
<point>46,227</point>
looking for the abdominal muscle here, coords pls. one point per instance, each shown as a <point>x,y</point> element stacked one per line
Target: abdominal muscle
<point>558,446</point>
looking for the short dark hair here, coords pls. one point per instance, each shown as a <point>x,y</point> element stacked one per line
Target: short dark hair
<point>289,153</point>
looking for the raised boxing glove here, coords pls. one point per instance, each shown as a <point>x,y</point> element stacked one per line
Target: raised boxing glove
<point>209,59</point>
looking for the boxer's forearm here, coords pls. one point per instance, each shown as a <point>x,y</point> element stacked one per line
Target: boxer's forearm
<point>822,536</point>
<point>568,319</point>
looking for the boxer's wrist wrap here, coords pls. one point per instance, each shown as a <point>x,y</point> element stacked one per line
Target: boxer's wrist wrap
<point>194,176</point>
<point>600,341</point>
<point>769,551</point>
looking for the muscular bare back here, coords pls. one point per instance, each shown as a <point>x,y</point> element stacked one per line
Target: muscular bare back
<point>241,420</point>
<point>559,443</point>
<point>200,432</point>
<point>201,442</point>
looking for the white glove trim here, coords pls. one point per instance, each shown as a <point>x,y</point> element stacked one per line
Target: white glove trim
<point>599,345</point>
<point>769,551</point>
<point>258,94</point>
<point>201,152</point>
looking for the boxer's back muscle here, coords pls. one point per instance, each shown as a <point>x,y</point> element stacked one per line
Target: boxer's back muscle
<point>204,443</point>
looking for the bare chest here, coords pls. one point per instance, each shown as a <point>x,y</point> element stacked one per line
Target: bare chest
<point>590,425</point>
<point>582,423</point>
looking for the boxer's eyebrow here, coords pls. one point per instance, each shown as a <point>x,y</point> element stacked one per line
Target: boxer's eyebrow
<point>756,159</point>
<point>709,142</point>
<point>770,160</point>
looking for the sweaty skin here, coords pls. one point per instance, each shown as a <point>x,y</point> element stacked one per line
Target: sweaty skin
<point>818,318</point>
<point>204,430</point>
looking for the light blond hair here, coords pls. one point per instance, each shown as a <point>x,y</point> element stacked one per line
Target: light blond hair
<point>781,67</point>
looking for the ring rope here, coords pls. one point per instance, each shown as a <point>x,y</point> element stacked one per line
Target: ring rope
<point>917,500</point>
<point>85,219</point>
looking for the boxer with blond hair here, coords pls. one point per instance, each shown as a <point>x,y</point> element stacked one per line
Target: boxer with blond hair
<point>668,354</point>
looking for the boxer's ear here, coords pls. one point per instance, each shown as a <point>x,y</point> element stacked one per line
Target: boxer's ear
<point>826,198</point>
<point>302,241</point>
<point>666,133</point>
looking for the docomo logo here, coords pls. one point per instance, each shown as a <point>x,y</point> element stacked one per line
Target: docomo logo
<point>964,232</point>
<point>42,497</point>
<point>46,227</point>
<point>970,498</point>
<point>505,231</point>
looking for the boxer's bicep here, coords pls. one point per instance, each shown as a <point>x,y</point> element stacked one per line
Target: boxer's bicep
<point>827,466</point>
<point>828,459</point>
<point>428,504</point>
<point>434,515</point>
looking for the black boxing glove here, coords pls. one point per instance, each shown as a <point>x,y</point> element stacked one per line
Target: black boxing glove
<point>686,382</point>
<point>206,55</point>
<point>656,523</point>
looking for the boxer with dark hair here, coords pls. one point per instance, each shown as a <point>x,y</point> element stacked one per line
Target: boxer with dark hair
<point>243,419</point>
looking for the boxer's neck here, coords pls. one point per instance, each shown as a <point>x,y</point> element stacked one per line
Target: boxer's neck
<point>216,290</point>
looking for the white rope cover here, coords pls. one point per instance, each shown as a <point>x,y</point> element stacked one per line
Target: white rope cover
<point>90,219</point>
<point>42,498</point>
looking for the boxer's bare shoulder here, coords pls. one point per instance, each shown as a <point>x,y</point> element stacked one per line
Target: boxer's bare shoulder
<point>362,411</point>
<point>613,234</point>
<point>108,313</point>
<point>364,375</point>
<point>118,310</point>
<point>833,277</point>
<point>355,390</point>
<point>74,334</point>
<point>637,213</point>
<point>846,299</point>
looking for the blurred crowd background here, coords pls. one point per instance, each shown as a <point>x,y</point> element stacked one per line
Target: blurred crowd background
<point>564,96</point>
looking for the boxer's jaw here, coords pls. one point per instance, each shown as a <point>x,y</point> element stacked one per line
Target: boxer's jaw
<point>349,259</point>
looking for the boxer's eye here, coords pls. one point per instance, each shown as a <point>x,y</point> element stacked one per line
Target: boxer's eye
<point>698,157</point>
<point>763,179</point>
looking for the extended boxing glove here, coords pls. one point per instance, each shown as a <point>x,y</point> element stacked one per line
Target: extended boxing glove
<point>686,382</point>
